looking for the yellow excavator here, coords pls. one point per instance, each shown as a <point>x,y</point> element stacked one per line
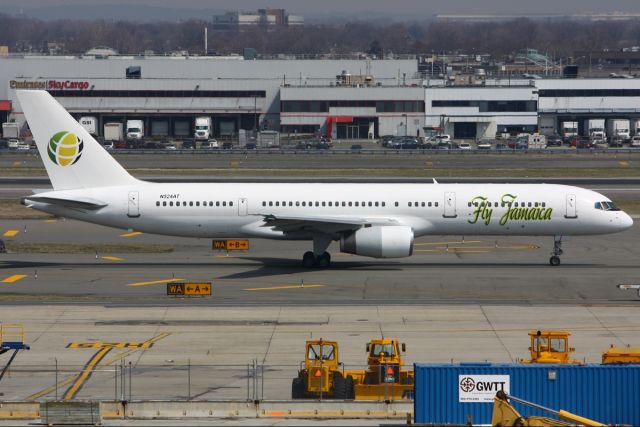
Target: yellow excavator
<point>505,415</point>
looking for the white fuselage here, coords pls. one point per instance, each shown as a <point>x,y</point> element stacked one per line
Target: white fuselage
<point>239,209</point>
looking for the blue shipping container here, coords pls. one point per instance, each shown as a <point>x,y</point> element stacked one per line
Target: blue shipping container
<point>453,394</point>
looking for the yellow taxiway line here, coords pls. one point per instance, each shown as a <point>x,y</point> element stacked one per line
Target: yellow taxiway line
<point>85,374</point>
<point>13,278</point>
<point>155,282</point>
<point>462,242</point>
<point>274,288</point>
<point>132,234</point>
<point>113,258</point>
<point>11,233</point>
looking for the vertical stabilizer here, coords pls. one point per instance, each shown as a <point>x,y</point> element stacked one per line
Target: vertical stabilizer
<point>72,157</point>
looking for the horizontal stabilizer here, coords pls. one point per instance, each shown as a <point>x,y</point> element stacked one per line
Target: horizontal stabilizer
<point>78,203</point>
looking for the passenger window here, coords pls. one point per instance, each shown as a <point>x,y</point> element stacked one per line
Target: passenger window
<point>383,204</point>
<point>170,203</point>
<point>535,204</point>
<point>317,204</point>
<point>210,203</point>
<point>344,204</point>
<point>350,204</point>
<point>277,203</point>
<point>263,203</point>
<point>371,204</point>
<point>270,203</point>
<point>357,203</point>
<point>329,203</point>
<point>436,204</point>
<point>197,203</point>
<point>423,204</point>
<point>469,204</point>
<point>304,203</point>
<point>429,204</point>
<point>376,204</point>
<point>544,204</point>
<point>495,204</point>
<point>230,203</point>
<point>224,203</point>
<point>164,203</point>
<point>324,204</point>
<point>297,203</point>
<point>157,203</point>
<point>529,204</point>
<point>397,204</point>
<point>190,203</point>
<point>409,204</point>
<point>416,204</point>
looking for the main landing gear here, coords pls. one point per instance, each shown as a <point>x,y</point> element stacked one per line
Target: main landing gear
<point>557,251</point>
<point>319,257</point>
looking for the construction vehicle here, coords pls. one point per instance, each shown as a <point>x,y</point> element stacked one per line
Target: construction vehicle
<point>550,347</point>
<point>323,375</point>
<point>384,378</point>
<point>505,415</point>
<point>621,355</point>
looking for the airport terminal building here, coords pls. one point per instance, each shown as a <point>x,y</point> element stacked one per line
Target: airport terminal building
<point>343,99</point>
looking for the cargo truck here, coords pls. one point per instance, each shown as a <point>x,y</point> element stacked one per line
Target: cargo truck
<point>547,125</point>
<point>569,131</point>
<point>595,129</point>
<point>113,131</point>
<point>203,128</point>
<point>10,130</point>
<point>90,124</point>
<point>618,131</point>
<point>135,129</point>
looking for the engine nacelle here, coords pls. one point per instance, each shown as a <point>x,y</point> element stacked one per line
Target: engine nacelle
<point>379,242</point>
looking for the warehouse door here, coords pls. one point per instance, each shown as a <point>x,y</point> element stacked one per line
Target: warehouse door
<point>464,130</point>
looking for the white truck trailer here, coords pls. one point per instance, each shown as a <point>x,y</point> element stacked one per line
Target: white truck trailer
<point>595,129</point>
<point>113,131</point>
<point>618,130</point>
<point>203,128</point>
<point>10,130</point>
<point>569,131</point>
<point>90,124</point>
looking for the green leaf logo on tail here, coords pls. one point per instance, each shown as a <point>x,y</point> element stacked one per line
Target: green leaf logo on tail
<point>65,148</point>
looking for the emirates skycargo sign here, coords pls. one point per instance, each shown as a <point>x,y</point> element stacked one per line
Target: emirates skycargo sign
<point>481,388</point>
<point>49,84</point>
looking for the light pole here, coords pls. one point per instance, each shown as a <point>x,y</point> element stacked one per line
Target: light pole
<point>404,117</point>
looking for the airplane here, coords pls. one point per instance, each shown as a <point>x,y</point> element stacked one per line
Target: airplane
<point>372,220</point>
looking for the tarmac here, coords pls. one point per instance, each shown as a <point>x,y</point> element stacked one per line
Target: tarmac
<point>107,315</point>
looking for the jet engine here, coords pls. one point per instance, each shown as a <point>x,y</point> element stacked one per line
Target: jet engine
<point>379,242</point>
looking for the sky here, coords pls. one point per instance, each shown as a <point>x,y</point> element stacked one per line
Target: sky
<point>396,9</point>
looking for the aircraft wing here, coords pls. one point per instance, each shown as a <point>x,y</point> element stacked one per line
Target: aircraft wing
<point>76,203</point>
<point>322,224</point>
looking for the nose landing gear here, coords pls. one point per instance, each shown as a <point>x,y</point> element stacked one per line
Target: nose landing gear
<point>557,251</point>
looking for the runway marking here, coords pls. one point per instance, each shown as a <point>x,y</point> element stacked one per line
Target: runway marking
<point>14,278</point>
<point>225,256</point>
<point>274,288</point>
<point>132,234</point>
<point>155,282</point>
<point>623,163</point>
<point>113,258</point>
<point>11,233</point>
<point>86,373</point>
<point>463,242</point>
<point>115,358</point>
<point>50,220</point>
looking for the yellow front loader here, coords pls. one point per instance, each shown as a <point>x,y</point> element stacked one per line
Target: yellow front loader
<point>505,415</point>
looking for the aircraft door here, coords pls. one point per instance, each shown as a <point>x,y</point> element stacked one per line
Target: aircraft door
<point>450,205</point>
<point>243,206</point>
<point>571,206</point>
<point>133,206</point>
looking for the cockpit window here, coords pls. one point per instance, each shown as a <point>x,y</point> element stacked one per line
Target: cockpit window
<point>606,206</point>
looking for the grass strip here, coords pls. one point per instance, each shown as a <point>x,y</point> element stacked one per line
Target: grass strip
<point>74,248</point>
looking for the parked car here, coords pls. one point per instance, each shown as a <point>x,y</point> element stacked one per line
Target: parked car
<point>22,147</point>
<point>4,144</point>
<point>227,145</point>
<point>189,144</point>
<point>601,143</point>
<point>250,146</point>
<point>464,146</point>
<point>409,144</point>
<point>385,140</point>
<point>616,142</point>
<point>484,144</point>
<point>153,145</point>
<point>356,147</point>
<point>210,144</point>
<point>501,146</point>
<point>170,146</point>
<point>584,143</point>
<point>635,141</point>
<point>108,145</point>
<point>554,141</point>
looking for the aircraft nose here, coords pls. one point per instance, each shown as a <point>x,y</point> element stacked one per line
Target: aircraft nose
<point>625,221</point>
